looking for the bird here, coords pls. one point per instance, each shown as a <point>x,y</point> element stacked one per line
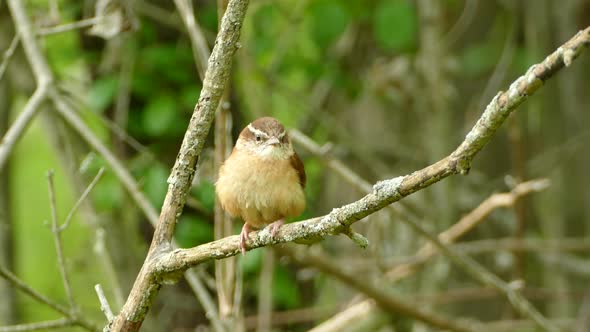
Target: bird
<point>263,179</point>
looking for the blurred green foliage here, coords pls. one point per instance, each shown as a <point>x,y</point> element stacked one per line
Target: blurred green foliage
<point>395,25</point>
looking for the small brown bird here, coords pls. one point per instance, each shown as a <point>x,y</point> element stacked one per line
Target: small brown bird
<point>263,179</point>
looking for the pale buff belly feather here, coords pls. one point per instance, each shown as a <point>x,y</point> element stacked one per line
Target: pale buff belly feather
<point>259,191</point>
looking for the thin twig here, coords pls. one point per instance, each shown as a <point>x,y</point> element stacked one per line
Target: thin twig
<point>293,316</point>
<point>22,286</point>
<point>210,308</point>
<point>517,244</point>
<point>58,245</point>
<point>17,129</point>
<point>104,303</point>
<point>7,55</point>
<point>45,325</point>
<point>383,297</point>
<point>81,200</point>
<point>198,42</point>
<point>70,26</point>
<point>108,266</point>
<point>467,223</point>
<point>74,120</point>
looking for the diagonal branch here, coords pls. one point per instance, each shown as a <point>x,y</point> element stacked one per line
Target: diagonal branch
<point>392,190</point>
<point>392,303</point>
<point>22,286</point>
<point>45,325</point>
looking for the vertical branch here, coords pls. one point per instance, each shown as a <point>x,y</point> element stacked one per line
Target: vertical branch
<point>225,269</point>
<point>198,43</point>
<point>147,284</point>
<point>104,303</point>
<point>55,229</point>
<point>7,294</point>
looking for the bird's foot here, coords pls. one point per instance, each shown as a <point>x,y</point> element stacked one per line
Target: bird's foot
<point>274,227</point>
<point>243,237</point>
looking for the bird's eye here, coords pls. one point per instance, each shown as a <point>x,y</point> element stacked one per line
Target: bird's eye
<point>258,138</point>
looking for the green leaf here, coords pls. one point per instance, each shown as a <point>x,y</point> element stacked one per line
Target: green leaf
<point>159,115</point>
<point>102,92</point>
<point>395,25</point>
<point>329,20</point>
<point>192,231</point>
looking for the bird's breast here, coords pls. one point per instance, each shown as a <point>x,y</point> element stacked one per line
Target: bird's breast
<point>259,190</point>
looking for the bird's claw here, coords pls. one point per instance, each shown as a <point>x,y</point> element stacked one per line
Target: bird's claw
<point>244,237</point>
<point>274,227</point>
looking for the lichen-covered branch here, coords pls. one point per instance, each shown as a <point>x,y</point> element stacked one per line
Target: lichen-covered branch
<point>389,191</point>
<point>148,282</point>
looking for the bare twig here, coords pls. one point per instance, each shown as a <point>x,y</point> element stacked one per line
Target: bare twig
<point>73,119</point>
<point>81,199</point>
<point>341,320</point>
<point>42,76</point>
<point>22,286</point>
<point>467,223</point>
<point>294,316</point>
<point>104,303</point>
<point>384,298</point>
<point>45,325</point>
<point>7,55</point>
<point>15,132</point>
<point>212,314</point>
<point>55,229</point>
<point>198,41</point>
<point>108,266</point>
<point>69,26</point>
<point>517,244</point>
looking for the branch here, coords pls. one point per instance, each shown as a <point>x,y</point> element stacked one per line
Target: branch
<point>382,296</point>
<point>7,55</point>
<point>468,222</point>
<point>196,36</point>
<point>104,303</point>
<point>55,229</point>
<point>392,190</point>
<point>45,325</point>
<point>17,129</point>
<point>464,225</point>
<point>22,286</point>
<point>147,284</point>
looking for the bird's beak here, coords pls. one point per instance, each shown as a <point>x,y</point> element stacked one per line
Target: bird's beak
<point>273,141</point>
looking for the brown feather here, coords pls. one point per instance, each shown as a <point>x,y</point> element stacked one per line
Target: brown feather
<point>298,166</point>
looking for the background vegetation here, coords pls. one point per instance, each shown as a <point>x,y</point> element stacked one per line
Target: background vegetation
<point>385,86</point>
